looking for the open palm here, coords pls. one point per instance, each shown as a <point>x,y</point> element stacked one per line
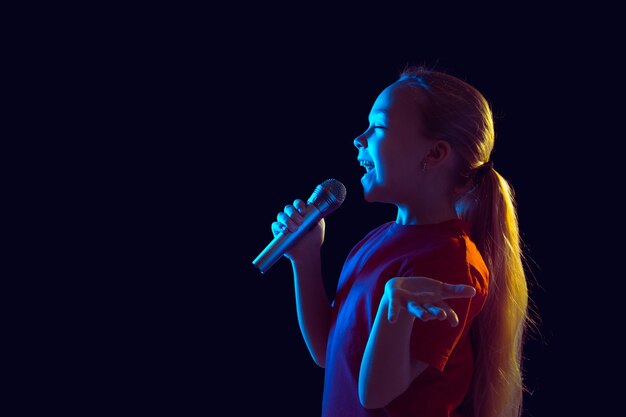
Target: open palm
<point>424,298</point>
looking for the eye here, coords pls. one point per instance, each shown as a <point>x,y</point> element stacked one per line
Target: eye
<point>379,127</point>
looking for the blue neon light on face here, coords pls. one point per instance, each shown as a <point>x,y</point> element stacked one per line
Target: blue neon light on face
<point>389,148</point>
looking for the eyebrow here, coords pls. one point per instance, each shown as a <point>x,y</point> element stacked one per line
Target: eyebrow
<point>377,113</point>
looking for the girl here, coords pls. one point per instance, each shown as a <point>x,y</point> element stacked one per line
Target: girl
<point>394,342</point>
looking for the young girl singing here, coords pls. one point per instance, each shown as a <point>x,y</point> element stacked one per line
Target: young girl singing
<point>430,310</point>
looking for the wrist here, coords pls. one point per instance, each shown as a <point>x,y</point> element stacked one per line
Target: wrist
<point>310,259</point>
<point>403,319</point>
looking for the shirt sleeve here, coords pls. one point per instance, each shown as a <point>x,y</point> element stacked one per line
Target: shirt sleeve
<point>433,341</point>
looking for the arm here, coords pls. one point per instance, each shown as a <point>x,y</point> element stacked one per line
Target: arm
<point>312,306</point>
<point>312,303</point>
<point>387,368</point>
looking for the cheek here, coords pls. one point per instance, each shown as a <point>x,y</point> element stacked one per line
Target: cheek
<point>397,163</point>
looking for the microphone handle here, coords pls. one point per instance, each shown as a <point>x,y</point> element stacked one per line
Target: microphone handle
<point>285,240</point>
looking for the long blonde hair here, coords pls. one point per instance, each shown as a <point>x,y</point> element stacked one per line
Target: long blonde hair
<point>452,110</point>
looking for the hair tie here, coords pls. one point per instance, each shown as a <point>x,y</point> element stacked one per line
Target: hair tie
<point>486,166</point>
<point>481,170</point>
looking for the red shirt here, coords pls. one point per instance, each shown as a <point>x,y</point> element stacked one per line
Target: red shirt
<point>441,251</point>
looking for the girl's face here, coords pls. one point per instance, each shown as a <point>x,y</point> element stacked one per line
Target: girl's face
<point>392,149</point>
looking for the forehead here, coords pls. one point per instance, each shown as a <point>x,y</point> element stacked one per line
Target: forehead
<point>398,98</point>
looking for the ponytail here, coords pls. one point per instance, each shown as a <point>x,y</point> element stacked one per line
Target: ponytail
<point>498,331</point>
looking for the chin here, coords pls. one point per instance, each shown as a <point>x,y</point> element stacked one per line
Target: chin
<point>370,187</point>
<point>372,195</point>
<point>379,193</point>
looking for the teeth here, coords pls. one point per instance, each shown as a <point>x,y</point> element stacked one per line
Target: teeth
<point>368,165</point>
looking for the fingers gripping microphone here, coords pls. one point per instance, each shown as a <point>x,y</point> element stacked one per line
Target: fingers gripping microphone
<point>326,198</point>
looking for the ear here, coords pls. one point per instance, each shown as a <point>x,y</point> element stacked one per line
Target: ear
<point>438,153</point>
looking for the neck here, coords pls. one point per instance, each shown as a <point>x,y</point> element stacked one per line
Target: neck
<point>408,215</point>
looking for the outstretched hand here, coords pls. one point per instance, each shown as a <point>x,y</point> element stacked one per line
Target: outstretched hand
<point>423,298</point>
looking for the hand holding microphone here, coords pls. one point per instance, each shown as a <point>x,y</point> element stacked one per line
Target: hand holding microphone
<point>295,223</point>
<point>289,220</point>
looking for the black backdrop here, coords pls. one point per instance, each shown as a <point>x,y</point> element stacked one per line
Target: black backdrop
<point>210,139</point>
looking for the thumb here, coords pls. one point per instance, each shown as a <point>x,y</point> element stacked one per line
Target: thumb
<point>393,310</point>
<point>457,291</point>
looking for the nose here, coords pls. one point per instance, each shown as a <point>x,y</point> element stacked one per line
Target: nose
<point>360,141</point>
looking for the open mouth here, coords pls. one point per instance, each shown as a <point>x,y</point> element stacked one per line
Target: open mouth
<point>368,165</point>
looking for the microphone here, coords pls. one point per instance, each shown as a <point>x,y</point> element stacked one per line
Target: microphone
<point>326,198</point>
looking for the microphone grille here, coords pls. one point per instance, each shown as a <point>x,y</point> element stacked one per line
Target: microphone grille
<point>328,196</point>
<point>336,188</point>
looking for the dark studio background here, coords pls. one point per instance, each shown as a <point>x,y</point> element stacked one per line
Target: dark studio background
<point>212,138</point>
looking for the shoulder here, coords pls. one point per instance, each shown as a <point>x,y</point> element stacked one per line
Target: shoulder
<point>462,263</point>
<point>449,250</point>
<point>453,259</point>
<point>377,233</point>
<point>371,238</point>
<point>379,230</point>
